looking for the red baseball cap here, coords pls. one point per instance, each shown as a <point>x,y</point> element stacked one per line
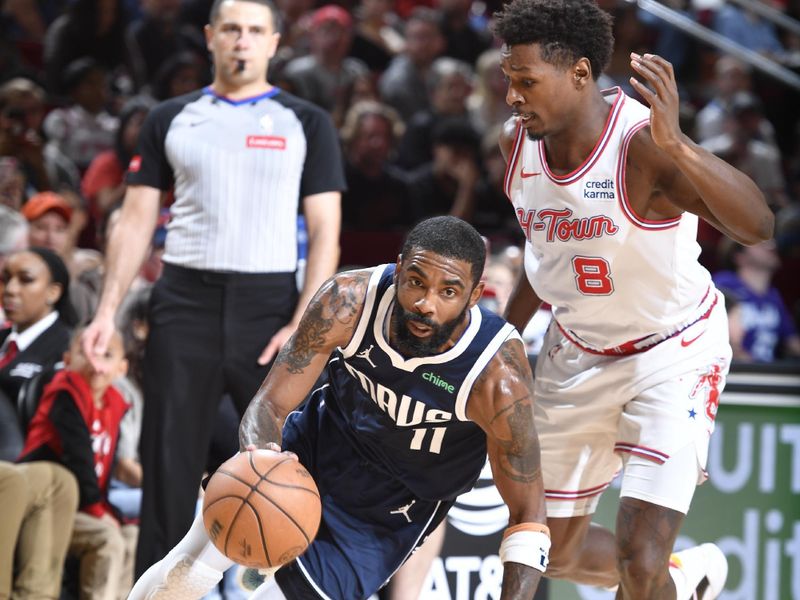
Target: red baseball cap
<point>44,202</point>
<point>331,12</point>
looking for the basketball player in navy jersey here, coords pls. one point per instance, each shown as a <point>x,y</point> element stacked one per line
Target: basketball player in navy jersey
<point>421,383</point>
<point>608,193</point>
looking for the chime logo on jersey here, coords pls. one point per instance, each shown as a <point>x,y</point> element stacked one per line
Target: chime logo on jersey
<point>599,189</point>
<point>558,225</point>
<point>405,411</point>
<point>438,381</point>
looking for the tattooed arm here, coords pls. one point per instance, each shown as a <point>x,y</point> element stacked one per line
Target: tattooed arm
<point>328,322</point>
<point>501,403</point>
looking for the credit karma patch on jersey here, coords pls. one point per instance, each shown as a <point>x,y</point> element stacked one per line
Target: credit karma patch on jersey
<point>602,190</point>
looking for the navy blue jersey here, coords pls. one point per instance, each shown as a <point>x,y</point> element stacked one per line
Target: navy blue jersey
<point>407,417</point>
<point>389,445</point>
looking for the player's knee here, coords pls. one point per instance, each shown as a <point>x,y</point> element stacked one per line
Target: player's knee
<point>642,571</point>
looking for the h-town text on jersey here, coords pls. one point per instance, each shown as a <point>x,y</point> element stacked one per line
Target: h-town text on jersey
<point>557,224</point>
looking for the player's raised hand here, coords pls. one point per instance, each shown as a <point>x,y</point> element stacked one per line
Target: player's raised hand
<point>662,95</point>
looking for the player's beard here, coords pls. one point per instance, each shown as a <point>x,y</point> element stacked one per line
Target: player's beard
<point>408,344</point>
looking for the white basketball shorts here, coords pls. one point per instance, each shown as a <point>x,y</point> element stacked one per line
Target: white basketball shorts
<point>650,415</point>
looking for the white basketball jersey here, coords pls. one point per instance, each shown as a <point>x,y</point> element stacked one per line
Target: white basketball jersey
<point>611,276</point>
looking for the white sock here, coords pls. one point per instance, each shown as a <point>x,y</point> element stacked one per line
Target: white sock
<point>687,568</point>
<point>190,570</point>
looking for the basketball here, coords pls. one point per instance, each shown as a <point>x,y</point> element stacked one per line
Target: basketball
<point>261,509</point>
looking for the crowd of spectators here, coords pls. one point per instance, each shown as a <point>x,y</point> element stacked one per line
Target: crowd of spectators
<point>416,91</point>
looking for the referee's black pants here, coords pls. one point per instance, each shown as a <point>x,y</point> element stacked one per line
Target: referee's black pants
<point>207,330</point>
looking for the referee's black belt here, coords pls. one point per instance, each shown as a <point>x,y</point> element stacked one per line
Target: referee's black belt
<point>187,275</point>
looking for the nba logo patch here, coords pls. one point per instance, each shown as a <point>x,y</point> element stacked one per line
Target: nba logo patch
<point>135,164</point>
<point>266,123</point>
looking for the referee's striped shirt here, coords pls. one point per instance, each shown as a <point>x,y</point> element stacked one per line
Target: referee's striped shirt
<point>239,169</point>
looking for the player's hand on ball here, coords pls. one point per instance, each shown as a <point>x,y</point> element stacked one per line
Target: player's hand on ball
<point>273,447</point>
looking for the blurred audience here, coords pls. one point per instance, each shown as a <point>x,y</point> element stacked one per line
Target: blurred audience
<point>377,191</point>
<point>731,76</point>
<point>103,184</point>
<point>88,28</point>
<point>83,128</point>
<point>401,84</point>
<point>446,185</point>
<point>158,34</point>
<point>749,29</point>
<point>178,75</point>
<point>324,76</point>
<point>768,330</point>
<point>13,233</point>
<point>449,85</point>
<point>22,110</point>
<point>376,38</point>
<point>487,103</point>
<point>741,146</point>
<point>12,183</point>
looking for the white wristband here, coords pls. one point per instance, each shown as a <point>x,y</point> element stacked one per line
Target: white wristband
<point>530,548</point>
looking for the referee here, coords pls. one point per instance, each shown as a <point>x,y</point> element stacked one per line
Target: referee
<point>241,154</point>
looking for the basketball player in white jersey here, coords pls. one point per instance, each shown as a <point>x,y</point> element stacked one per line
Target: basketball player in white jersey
<point>608,192</point>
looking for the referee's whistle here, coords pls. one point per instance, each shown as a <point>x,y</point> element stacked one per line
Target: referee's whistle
<point>240,66</point>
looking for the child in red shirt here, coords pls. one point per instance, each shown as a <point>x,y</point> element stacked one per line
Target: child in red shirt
<point>77,424</point>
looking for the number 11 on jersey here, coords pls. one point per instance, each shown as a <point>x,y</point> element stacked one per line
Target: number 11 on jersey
<point>435,443</point>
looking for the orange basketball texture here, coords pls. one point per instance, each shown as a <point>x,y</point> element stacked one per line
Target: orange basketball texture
<point>261,509</point>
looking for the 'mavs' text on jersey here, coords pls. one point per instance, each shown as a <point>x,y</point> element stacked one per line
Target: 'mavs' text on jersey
<point>405,412</point>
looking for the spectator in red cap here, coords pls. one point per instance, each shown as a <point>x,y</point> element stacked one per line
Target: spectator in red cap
<point>327,75</point>
<point>49,215</point>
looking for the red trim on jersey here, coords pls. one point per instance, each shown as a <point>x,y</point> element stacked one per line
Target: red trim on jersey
<point>576,495</point>
<point>511,165</point>
<point>622,187</point>
<point>638,345</point>
<point>642,452</point>
<point>597,151</point>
